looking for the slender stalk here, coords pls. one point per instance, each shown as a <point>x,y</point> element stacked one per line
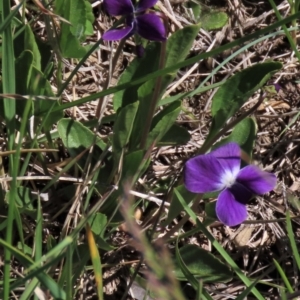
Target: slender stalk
<point>111,71</point>
<point>293,10</point>
<point>154,101</point>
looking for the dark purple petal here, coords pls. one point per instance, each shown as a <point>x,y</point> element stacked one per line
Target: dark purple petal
<point>229,156</point>
<point>151,27</point>
<point>256,180</point>
<point>118,7</point>
<point>229,211</point>
<point>145,4</point>
<point>118,34</point>
<point>241,193</point>
<point>140,50</point>
<point>277,87</point>
<point>202,174</point>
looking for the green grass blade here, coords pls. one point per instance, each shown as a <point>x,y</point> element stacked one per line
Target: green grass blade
<point>38,235</point>
<point>283,276</point>
<point>45,279</point>
<point>29,289</point>
<point>8,82</point>
<point>288,35</point>
<point>6,23</point>
<point>95,257</point>
<point>69,268</point>
<point>292,239</point>
<point>52,253</point>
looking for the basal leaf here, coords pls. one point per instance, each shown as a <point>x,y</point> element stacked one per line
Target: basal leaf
<point>39,85</point>
<point>243,134</point>
<point>214,20</point>
<point>77,138</point>
<point>30,44</point>
<point>132,166</point>
<point>139,67</point>
<point>98,223</point>
<point>23,66</point>
<point>195,8</point>
<point>176,135</point>
<point>202,265</point>
<point>163,121</point>
<point>236,91</point>
<point>123,126</point>
<point>78,12</point>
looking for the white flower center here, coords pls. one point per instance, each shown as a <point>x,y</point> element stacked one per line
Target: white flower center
<point>228,178</point>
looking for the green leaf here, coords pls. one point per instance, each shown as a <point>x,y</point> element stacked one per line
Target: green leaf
<point>202,265</point>
<point>77,138</point>
<point>214,20</point>
<point>176,135</point>
<point>50,243</point>
<point>184,269</point>
<point>139,67</point>
<point>89,30</point>
<point>133,166</point>
<point>26,249</point>
<point>236,91</point>
<point>243,134</point>
<point>195,7</point>
<point>39,85</point>
<point>123,126</point>
<point>30,44</point>
<point>23,68</point>
<point>78,12</point>
<point>98,223</point>
<point>293,200</point>
<point>163,121</point>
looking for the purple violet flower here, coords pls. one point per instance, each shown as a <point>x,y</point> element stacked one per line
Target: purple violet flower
<point>148,25</point>
<point>220,170</point>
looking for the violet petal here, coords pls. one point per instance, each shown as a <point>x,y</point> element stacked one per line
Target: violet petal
<point>229,211</point>
<point>256,180</point>
<point>202,174</point>
<point>151,27</point>
<point>229,156</point>
<point>117,34</point>
<point>118,7</point>
<point>145,4</point>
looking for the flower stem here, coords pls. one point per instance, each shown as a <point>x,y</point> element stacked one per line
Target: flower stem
<point>111,72</point>
<point>154,100</point>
